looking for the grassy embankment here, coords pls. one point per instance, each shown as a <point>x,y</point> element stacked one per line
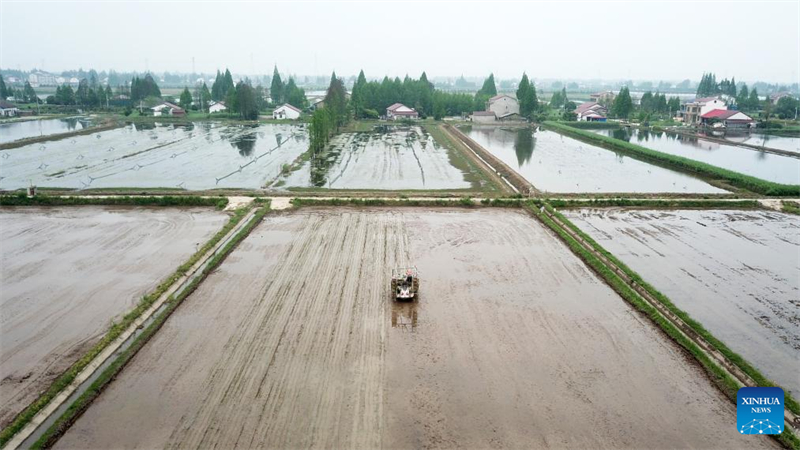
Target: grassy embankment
<point>790,207</point>
<point>721,378</point>
<point>117,328</point>
<point>21,199</point>
<point>708,171</point>
<point>77,408</point>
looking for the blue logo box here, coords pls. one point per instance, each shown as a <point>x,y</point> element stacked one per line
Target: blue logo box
<point>759,410</point>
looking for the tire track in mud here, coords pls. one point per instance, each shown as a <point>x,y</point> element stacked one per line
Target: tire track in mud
<point>314,341</point>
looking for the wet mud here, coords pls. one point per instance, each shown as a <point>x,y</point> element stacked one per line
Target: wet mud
<point>295,342</point>
<point>736,272</point>
<point>68,273</point>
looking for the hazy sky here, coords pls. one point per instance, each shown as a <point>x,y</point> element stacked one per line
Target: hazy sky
<point>609,40</point>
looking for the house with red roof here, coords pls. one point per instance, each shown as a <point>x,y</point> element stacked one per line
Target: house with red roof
<point>399,111</point>
<point>591,112</point>
<point>729,119</point>
<point>168,109</point>
<point>691,112</point>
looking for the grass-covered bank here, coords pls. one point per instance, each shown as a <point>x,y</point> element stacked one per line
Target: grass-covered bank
<point>115,331</point>
<point>22,199</point>
<point>654,203</point>
<point>474,173</point>
<point>735,179</point>
<point>77,408</point>
<point>585,125</point>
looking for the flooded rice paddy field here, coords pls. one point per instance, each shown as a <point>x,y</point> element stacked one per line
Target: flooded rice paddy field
<point>513,343</point>
<point>736,272</point>
<point>387,158</point>
<point>196,156</point>
<point>767,166</point>
<point>67,273</point>
<point>790,144</point>
<point>14,131</point>
<point>556,163</point>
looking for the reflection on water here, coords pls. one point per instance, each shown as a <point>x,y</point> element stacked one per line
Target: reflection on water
<point>42,127</point>
<point>790,144</point>
<point>771,167</point>
<point>556,163</point>
<point>524,143</point>
<point>404,315</point>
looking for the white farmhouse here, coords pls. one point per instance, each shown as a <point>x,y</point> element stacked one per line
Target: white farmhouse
<point>401,111</point>
<point>8,109</point>
<point>503,106</point>
<point>692,112</point>
<point>286,111</point>
<point>216,107</point>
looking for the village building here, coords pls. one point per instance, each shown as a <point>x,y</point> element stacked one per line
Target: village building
<point>39,79</point>
<point>399,111</point>
<point>483,116</point>
<point>729,119</point>
<point>8,109</point>
<point>604,97</point>
<point>168,109</point>
<point>215,107</point>
<point>286,111</point>
<point>773,98</point>
<point>504,107</point>
<point>591,112</point>
<point>691,112</point>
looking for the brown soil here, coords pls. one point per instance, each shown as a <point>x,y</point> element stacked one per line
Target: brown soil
<point>295,342</point>
<point>67,273</point>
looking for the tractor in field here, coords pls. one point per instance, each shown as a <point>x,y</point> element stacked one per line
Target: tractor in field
<point>405,283</point>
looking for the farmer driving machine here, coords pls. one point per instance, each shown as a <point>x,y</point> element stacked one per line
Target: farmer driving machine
<point>405,283</point>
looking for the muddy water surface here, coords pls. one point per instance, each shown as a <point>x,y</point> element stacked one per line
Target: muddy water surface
<point>32,128</point>
<point>736,272</point>
<point>767,166</point>
<point>388,157</point>
<point>556,163</point>
<point>201,155</point>
<point>67,273</point>
<point>294,342</point>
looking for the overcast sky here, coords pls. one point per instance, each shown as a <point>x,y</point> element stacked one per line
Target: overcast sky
<point>608,40</point>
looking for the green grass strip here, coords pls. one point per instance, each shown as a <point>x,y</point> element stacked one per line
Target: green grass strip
<point>790,207</point>
<point>21,199</point>
<point>678,162</point>
<point>723,379</point>
<point>732,356</point>
<point>84,400</point>
<point>116,329</point>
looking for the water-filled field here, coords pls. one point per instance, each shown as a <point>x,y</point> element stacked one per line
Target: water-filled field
<point>767,166</point>
<point>556,163</point>
<point>790,144</point>
<point>14,131</point>
<point>736,272</point>
<point>388,157</point>
<point>202,155</point>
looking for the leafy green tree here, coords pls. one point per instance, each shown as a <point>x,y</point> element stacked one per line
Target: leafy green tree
<point>336,102</point>
<point>28,94</point>
<point>673,105</point>
<point>204,98</point>
<point>294,95</point>
<point>522,95</point>
<point>623,105</point>
<point>245,102</point>
<point>743,97</point>
<point>276,88</point>
<point>3,89</point>
<point>752,101</point>
<point>185,101</point>
<point>216,88</point>
<point>787,107</point>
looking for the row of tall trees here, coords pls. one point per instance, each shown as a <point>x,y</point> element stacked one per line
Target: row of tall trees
<point>709,86</point>
<point>142,88</point>
<point>288,92</point>
<point>526,96</point>
<point>371,98</point>
<point>329,120</point>
<point>222,84</point>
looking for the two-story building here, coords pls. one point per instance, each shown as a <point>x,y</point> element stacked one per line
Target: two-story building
<point>692,112</point>
<point>503,106</point>
<point>399,111</point>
